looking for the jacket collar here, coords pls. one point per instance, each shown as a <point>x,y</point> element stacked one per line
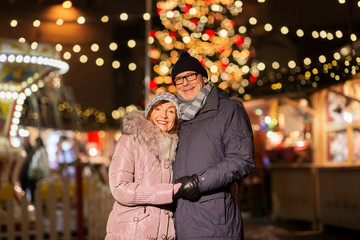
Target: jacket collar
<point>210,109</point>
<point>162,144</point>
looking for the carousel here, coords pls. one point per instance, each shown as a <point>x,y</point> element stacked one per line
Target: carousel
<point>25,69</point>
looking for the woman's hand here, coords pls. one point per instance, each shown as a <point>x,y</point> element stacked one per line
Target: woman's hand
<point>177,187</point>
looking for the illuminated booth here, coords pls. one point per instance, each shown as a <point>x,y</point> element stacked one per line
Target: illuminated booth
<point>312,148</point>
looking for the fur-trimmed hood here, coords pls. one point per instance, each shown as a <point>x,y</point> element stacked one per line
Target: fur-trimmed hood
<point>162,144</point>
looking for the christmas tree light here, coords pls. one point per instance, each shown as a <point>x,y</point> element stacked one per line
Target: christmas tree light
<point>206,30</point>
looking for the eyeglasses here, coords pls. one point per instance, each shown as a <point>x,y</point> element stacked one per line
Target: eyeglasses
<point>190,77</point>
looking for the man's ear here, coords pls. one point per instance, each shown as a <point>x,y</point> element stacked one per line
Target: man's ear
<point>205,79</point>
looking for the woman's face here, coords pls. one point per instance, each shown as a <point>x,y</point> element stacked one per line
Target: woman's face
<point>163,116</point>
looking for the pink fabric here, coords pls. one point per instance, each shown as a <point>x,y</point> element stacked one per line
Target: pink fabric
<point>177,187</point>
<point>142,186</point>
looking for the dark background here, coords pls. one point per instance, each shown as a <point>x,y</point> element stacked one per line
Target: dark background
<point>107,89</point>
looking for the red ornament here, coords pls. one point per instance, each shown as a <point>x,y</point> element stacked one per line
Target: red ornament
<point>194,21</point>
<point>253,78</point>
<point>152,33</point>
<point>221,49</point>
<point>160,11</point>
<point>186,8</point>
<point>239,40</point>
<point>171,34</point>
<point>223,64</point>
<point>152,85</point>
<point>210,32</point>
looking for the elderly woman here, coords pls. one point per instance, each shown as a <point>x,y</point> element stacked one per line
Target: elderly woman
<point>140,173</point>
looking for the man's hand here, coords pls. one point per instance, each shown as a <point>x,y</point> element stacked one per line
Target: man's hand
<point>189,188</point>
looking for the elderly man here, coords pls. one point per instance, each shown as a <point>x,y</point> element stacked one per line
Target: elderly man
<point>215,149</point>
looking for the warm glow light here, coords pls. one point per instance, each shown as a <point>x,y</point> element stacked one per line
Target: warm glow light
<point>59,22</point>
<point>338,34</point>
<point>322,59</point>
<point>347,117</point>
<point>192,11</point>
<point>186,39</point>
<point>124,17</point>
<point>146,16</point>
<point>284,30</point>
<point>105,19</point>
<point>252,21</point>
<point>76,48</point>
<point>131,43</point>
<point>167,40</point>
<point>268,27</point>
<point>353,37</point>
<point>34,45</point>
<point>113,46</point>
<point>307,61</point>
<point>345,51</point>
<point>93,151</point>
<point>292,64</point>
<point>83,58</point>
<point>300,33</point>
<point>132,66</point>
<point>58,47</point>
<point>81,20</point>
<point>115,64</point>
<point>24,133</point>
<point>323,34</point>
<point>67,4</point>
<point>242,29</point>
<point>36,23</point>
<point>275,65</point>
<point>13,23</point>
<point>99,62</point>
<point>67,55</point>
<point>267,119</point>
<point>315,34</point>
<point>337,56</point>
<point>261,66</point>
<point>94,47</point>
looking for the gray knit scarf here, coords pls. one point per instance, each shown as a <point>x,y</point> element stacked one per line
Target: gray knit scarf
<point>190,108</point>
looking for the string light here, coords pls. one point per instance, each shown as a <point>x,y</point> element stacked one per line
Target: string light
<point>67,4</point>
<point>227,30</point>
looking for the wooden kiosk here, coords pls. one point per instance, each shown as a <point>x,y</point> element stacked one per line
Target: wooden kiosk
<point>324,189</point>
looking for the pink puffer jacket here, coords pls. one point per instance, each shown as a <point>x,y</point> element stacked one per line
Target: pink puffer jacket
<point>140,177</point>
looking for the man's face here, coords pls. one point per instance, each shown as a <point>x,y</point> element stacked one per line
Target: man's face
<point>189,89</point>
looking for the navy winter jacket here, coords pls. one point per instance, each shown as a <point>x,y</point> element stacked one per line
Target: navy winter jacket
<point>218,146</point>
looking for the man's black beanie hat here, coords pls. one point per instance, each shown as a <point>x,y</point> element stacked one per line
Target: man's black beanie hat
<point>187,63</point>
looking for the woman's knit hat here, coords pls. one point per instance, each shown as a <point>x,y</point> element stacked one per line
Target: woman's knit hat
<point>187,63</point>
<point>163,96</point>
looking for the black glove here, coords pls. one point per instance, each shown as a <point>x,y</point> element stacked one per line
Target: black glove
<point>189,188</point>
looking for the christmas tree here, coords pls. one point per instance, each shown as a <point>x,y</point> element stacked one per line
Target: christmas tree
<point>208,31</point>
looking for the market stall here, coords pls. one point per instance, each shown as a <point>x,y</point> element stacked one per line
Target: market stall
<point>313,150</point>
<point>337,157</point>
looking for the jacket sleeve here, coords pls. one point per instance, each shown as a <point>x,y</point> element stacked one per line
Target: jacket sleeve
<point>122,177</point>
<point>238,145</point>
